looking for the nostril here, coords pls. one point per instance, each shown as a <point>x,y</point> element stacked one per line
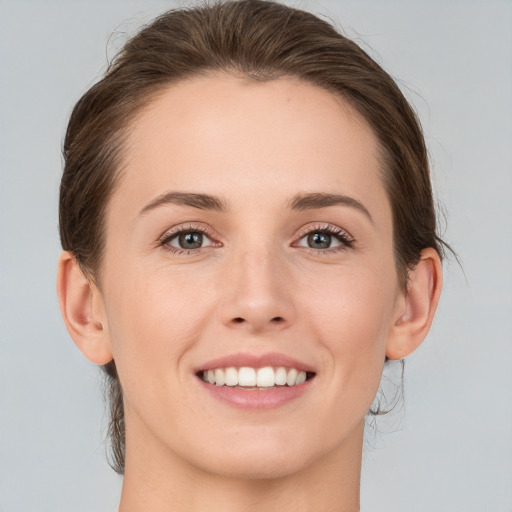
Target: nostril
<point>275,320</point>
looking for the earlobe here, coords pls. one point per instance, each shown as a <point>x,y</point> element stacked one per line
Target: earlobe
<point>81,305</point>
<point>416,313</point>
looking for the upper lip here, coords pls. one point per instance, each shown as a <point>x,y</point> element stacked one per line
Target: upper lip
<point>241,359</point>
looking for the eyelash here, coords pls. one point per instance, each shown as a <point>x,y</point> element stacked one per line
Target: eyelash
<point>170,235</point>
<point>347,241</point>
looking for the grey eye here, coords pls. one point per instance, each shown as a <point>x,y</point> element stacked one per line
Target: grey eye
<point>322,240</point>
<point>189,240</point>
<point>319,240</point>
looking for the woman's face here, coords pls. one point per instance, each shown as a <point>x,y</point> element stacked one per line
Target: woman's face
<point>250,230</point>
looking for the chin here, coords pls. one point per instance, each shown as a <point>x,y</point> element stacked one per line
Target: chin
<point>263,467</point>
<point>267,457</point>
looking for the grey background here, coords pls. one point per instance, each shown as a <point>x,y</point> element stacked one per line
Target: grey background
<point>452,450</point>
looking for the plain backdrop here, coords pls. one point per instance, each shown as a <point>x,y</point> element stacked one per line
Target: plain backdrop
<point>452,449</point>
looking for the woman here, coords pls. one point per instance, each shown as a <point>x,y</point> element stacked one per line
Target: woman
<point>249,234</point>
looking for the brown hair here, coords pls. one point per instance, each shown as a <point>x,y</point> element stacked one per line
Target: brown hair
<point>256,39</point>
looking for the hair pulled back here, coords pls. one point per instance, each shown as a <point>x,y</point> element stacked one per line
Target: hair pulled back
<point>258,40</point>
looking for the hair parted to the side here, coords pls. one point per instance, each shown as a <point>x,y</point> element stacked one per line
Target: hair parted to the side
<point>257,40</point>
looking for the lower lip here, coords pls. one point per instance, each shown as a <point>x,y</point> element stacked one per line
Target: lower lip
<point>254,398</point>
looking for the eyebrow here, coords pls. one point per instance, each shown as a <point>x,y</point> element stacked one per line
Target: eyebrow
<point>300,202</point>
<point>317,200</point>
<point>199,201</point>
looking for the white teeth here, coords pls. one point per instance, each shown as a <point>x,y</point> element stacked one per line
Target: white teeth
<point>292,377</point>
<point>266,377</point>
<point>246,376</point>
<point>301,378</point>
<point>281,376</point>
<point>220,378</point>
<point>231,377</point>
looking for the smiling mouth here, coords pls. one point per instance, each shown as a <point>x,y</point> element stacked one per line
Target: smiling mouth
<point>261,379</point>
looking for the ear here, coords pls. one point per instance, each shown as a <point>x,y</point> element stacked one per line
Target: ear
<point>417,306</point>
<point>82,307</point>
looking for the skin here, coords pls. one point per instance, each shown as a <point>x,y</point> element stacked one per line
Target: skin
<point>255,286</point>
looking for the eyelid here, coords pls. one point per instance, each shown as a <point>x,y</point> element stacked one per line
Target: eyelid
<point>323,226</point>
<point>343,236</point>
<point>169,234</point>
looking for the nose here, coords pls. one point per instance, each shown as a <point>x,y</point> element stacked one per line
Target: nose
<point>255,293</point>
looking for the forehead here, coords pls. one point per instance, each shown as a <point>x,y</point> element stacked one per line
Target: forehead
<point>221,134</point>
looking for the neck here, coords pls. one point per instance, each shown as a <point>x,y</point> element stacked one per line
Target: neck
<point>157,480</point>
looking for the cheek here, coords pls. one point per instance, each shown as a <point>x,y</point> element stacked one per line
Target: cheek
<point>352,316</point>
<point>353,306</point>
<point>154,318</point>
<point>147,299</point>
